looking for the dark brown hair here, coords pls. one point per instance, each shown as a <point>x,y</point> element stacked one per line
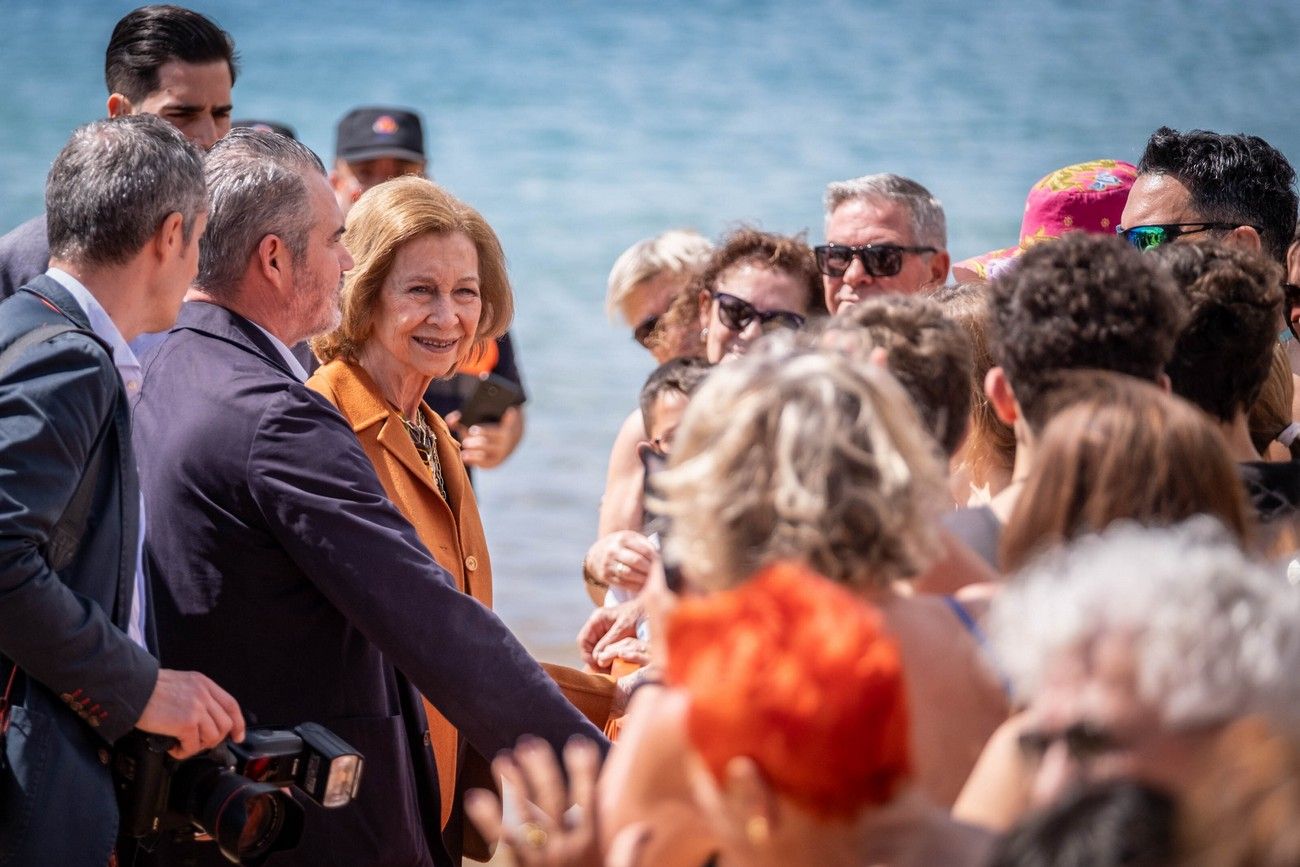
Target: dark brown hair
<point>789,254</point>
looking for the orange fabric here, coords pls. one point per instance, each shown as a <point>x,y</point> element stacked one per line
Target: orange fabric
<point>453,534</point>
<point>483,361</point>
<point>798,674</point>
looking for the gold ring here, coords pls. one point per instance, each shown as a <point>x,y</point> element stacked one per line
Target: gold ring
<point>534,835</point>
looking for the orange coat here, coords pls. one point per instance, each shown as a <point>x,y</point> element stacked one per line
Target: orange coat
<point>452,533</point>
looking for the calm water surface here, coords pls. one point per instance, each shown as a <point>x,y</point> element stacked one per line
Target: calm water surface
<point>581,127</point>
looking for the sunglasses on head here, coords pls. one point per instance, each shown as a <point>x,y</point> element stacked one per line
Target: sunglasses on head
<point>878,260</point>
<point>1149,237</point>
<point>737,313</point>
<point>641,334</point>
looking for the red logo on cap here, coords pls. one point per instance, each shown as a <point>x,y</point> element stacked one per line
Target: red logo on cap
<point>384,125</point>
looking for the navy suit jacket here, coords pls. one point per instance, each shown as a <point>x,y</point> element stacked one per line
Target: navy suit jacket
<point>24,255</point>
<point>281,570</point>
<point>85,682</point>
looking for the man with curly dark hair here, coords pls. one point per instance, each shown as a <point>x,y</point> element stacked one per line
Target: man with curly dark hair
<point>1081,302</point>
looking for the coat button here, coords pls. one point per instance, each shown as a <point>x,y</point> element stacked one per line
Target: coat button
<point>103,757</point>
<point>428,738</point>
<point>471,562</point>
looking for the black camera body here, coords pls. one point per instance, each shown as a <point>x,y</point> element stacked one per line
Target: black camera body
<point>233,792</point>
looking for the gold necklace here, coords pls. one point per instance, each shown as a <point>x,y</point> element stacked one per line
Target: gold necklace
<point>427,445</point>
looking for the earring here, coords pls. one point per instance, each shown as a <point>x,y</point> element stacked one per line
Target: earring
<point>704,334</point>
<point>757,830</point>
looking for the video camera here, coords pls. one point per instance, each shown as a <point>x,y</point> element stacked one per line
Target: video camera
<point>233,792</point>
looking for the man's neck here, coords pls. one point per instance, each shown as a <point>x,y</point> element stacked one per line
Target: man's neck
<point>1005,501</point>
<point>258,314</point>
<point>117,288</point>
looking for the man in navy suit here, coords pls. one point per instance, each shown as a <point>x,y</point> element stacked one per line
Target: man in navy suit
<point>126,209</point>
<point>283,571</point>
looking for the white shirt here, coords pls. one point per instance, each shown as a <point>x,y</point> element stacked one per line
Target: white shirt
<point>128,367</point>
<point>294,366</point>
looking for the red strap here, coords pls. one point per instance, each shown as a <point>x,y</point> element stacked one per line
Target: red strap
<point>4,701</point>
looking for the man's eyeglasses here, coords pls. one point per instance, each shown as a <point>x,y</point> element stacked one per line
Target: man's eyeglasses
<point>878,260</point>
<point>1149,237</point>
<point>1083,741</point>
<point>737,313</point>
<point>641,334</point>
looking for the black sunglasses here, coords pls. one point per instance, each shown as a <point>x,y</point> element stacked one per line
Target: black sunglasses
<point>1150,237</point>
<point>641,334</point>
<point>737,313</point>
<point>878,260</point>
<point>1083,741</point>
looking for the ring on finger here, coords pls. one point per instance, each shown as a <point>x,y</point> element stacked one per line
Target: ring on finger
<point>620,569</point>
<point>533,835</point>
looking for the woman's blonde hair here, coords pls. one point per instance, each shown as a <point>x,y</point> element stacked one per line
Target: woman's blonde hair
<point>380,223</point>
<point>790,454</point>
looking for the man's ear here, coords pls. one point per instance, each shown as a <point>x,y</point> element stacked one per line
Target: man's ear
<point>1166,384</point>
<point>169,240</point>
<point>705,301</point>
<point>1000,395</point>
<point>1244,238</point>
<point>118,105</point>
<point>940,263</point>
<point>273,260</point>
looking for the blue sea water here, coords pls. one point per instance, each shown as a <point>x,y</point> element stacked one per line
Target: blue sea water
<point>580,127</point>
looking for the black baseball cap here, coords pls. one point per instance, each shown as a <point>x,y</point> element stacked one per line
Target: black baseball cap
<point>371,132</point>
<point>267,126</point>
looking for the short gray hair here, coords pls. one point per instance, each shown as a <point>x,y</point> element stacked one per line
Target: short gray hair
<point>1215,635</point>
<point>929,227</point>
<point>809,455</point>
<point>256,187</point>
<point>114,183</point>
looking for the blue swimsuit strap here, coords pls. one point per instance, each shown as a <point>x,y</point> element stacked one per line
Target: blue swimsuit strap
<point>981,638</point>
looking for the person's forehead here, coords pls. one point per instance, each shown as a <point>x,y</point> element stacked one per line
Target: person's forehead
<point>1096,682</point>
<point>1157,199</point>
<point>209,82</point>
<point>325,207</point>
<point>868,221</point>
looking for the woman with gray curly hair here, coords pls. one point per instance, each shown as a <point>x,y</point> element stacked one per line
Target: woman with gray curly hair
<point>810,456</point>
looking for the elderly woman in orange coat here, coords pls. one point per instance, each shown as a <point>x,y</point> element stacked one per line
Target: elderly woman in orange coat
<point>428,290</point>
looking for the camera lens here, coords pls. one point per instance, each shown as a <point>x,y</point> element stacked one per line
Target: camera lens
<point>247,819</point>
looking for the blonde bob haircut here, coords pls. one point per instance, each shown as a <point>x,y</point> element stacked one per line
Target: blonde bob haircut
<point>682,252</point>
<point>805,455</point>
<point>379,224</point>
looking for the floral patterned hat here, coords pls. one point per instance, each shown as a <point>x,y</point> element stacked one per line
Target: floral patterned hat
<point>1088,197</point>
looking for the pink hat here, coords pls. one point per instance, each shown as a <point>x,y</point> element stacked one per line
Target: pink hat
<point>1088,197</point>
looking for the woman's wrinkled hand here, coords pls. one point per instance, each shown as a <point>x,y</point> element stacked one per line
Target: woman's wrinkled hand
<point>606,626</point>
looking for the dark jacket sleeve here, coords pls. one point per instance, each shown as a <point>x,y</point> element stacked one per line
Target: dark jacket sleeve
<point>53,404</point>
<point>332,517</point>
<point>24,253</point>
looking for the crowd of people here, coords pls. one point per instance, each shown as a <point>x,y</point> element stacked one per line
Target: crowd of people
<point>899,561</point>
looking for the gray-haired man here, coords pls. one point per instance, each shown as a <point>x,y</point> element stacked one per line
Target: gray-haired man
<point>884,233</point>
<point>126,208</point>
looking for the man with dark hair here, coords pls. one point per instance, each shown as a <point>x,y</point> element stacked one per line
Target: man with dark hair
<point>1082,301</point>
<point>162,60</point>
<point>126,209</point>
<point>284,569</point>
<point>928,353</point>
<point>1225,352</point>
<point>1237,188</point>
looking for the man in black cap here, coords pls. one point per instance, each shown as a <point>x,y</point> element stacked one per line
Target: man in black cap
<point>377,143</point>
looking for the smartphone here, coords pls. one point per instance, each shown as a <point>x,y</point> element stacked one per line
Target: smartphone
<point>490,399</point>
